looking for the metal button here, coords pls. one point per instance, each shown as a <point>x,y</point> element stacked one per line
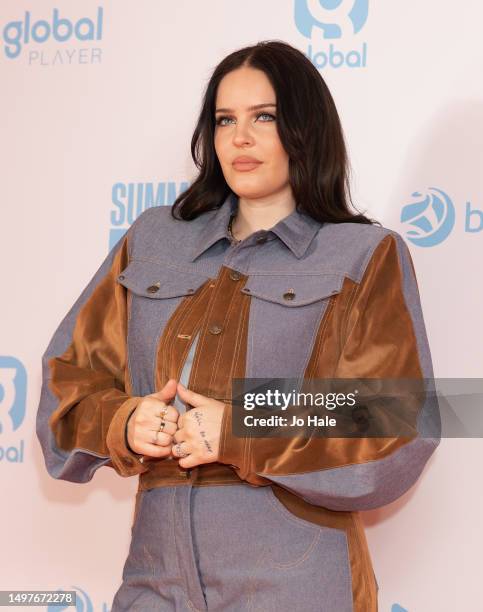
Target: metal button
<point>215,329</point>
<point>121,277</point>
<point>261,239</point>
<point>152,288</point>
<point>235,275</point>
<point>289,295</point>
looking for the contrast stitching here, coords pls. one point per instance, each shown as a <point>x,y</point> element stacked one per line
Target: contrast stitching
<point>368,577</point>
<point>251,327</point>
<point>325,323</point>
<point>238,337</point>
<point>350,303</point>
<point>323,319</point>
<point>286,513</point>
<point>128,336</point>
<point>167,264</point>
<point>204,327</point>
<point>196,326</point>
<point>304,557</point>
<point>173,523</point>
<point>301,273</point>
<point>406,276</point>
<point>245,463</point>
<point>226,319</point>
<point>170,324</point>
<point>368,257</point>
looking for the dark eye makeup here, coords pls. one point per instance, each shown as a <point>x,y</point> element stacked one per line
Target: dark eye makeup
<point>222,117</point>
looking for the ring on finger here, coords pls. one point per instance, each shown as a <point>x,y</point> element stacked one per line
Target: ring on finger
<point>161,426</point>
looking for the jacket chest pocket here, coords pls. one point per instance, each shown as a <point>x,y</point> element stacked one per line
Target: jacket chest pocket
<point>156,281</point>
<point>285,314</point>
<point>155,291</point>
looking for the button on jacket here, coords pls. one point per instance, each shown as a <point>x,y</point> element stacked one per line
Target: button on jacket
<point>274,524</point>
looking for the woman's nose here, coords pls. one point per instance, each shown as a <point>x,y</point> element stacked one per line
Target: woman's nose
<point>242,133</point>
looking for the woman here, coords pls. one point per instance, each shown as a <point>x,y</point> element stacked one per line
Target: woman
<point>259,270</point>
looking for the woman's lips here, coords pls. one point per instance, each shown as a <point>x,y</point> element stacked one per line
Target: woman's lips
<point>246,166</point>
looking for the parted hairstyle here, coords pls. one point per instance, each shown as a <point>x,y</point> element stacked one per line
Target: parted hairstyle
<point>309,129</point>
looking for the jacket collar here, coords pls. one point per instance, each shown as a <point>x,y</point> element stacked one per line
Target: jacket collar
<point>296,230</point>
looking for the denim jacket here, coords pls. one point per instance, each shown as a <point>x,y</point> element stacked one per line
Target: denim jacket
<point>302,299</point>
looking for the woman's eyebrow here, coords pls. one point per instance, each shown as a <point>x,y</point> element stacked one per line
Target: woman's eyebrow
<point>230,110</point>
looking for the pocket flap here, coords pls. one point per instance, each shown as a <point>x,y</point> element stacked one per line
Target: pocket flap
<point>154,280</point>
<point>294,290</point>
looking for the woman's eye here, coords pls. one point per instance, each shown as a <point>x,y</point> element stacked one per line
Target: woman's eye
<point>266,115</point>
<point>220,120</point>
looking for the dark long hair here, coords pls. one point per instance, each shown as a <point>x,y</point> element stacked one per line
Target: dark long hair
<point>309,129</point>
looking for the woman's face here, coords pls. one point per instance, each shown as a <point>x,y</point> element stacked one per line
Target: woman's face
<point>242,131</point>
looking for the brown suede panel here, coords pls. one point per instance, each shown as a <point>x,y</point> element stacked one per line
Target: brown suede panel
<point>91,373</point>
<point>214,366</point>
<point>218,358</point>
<point>179,333</point>
<point>363,583</point>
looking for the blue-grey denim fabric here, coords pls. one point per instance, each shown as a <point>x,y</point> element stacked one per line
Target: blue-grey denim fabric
<point>236,548</point>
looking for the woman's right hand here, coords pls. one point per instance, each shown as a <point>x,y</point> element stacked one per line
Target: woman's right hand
<point>145,421</point>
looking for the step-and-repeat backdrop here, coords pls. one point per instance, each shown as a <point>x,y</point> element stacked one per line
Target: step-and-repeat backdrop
<point>98,103</point>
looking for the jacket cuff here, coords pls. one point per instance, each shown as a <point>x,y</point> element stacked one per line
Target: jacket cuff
<point>233,450</point>
<point>124,460</point>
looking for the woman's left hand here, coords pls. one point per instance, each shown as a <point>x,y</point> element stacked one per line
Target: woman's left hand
<point>199,428</point>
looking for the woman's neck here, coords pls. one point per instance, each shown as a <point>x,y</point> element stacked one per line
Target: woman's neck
<point>254,215</point>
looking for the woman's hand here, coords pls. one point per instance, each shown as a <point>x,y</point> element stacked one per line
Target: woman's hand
<point>199,428</point>
<point>145,421</point>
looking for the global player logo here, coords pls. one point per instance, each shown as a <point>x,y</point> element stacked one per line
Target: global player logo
<point>29,30</point>
<point>330,18</point>
<point>430,219</point>
<point>322,20</point>
<point>13,393</point>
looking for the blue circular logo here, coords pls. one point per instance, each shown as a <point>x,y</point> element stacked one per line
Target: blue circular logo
<point>430,219</point>
<point>331,18</point>
<point>83,602</point>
